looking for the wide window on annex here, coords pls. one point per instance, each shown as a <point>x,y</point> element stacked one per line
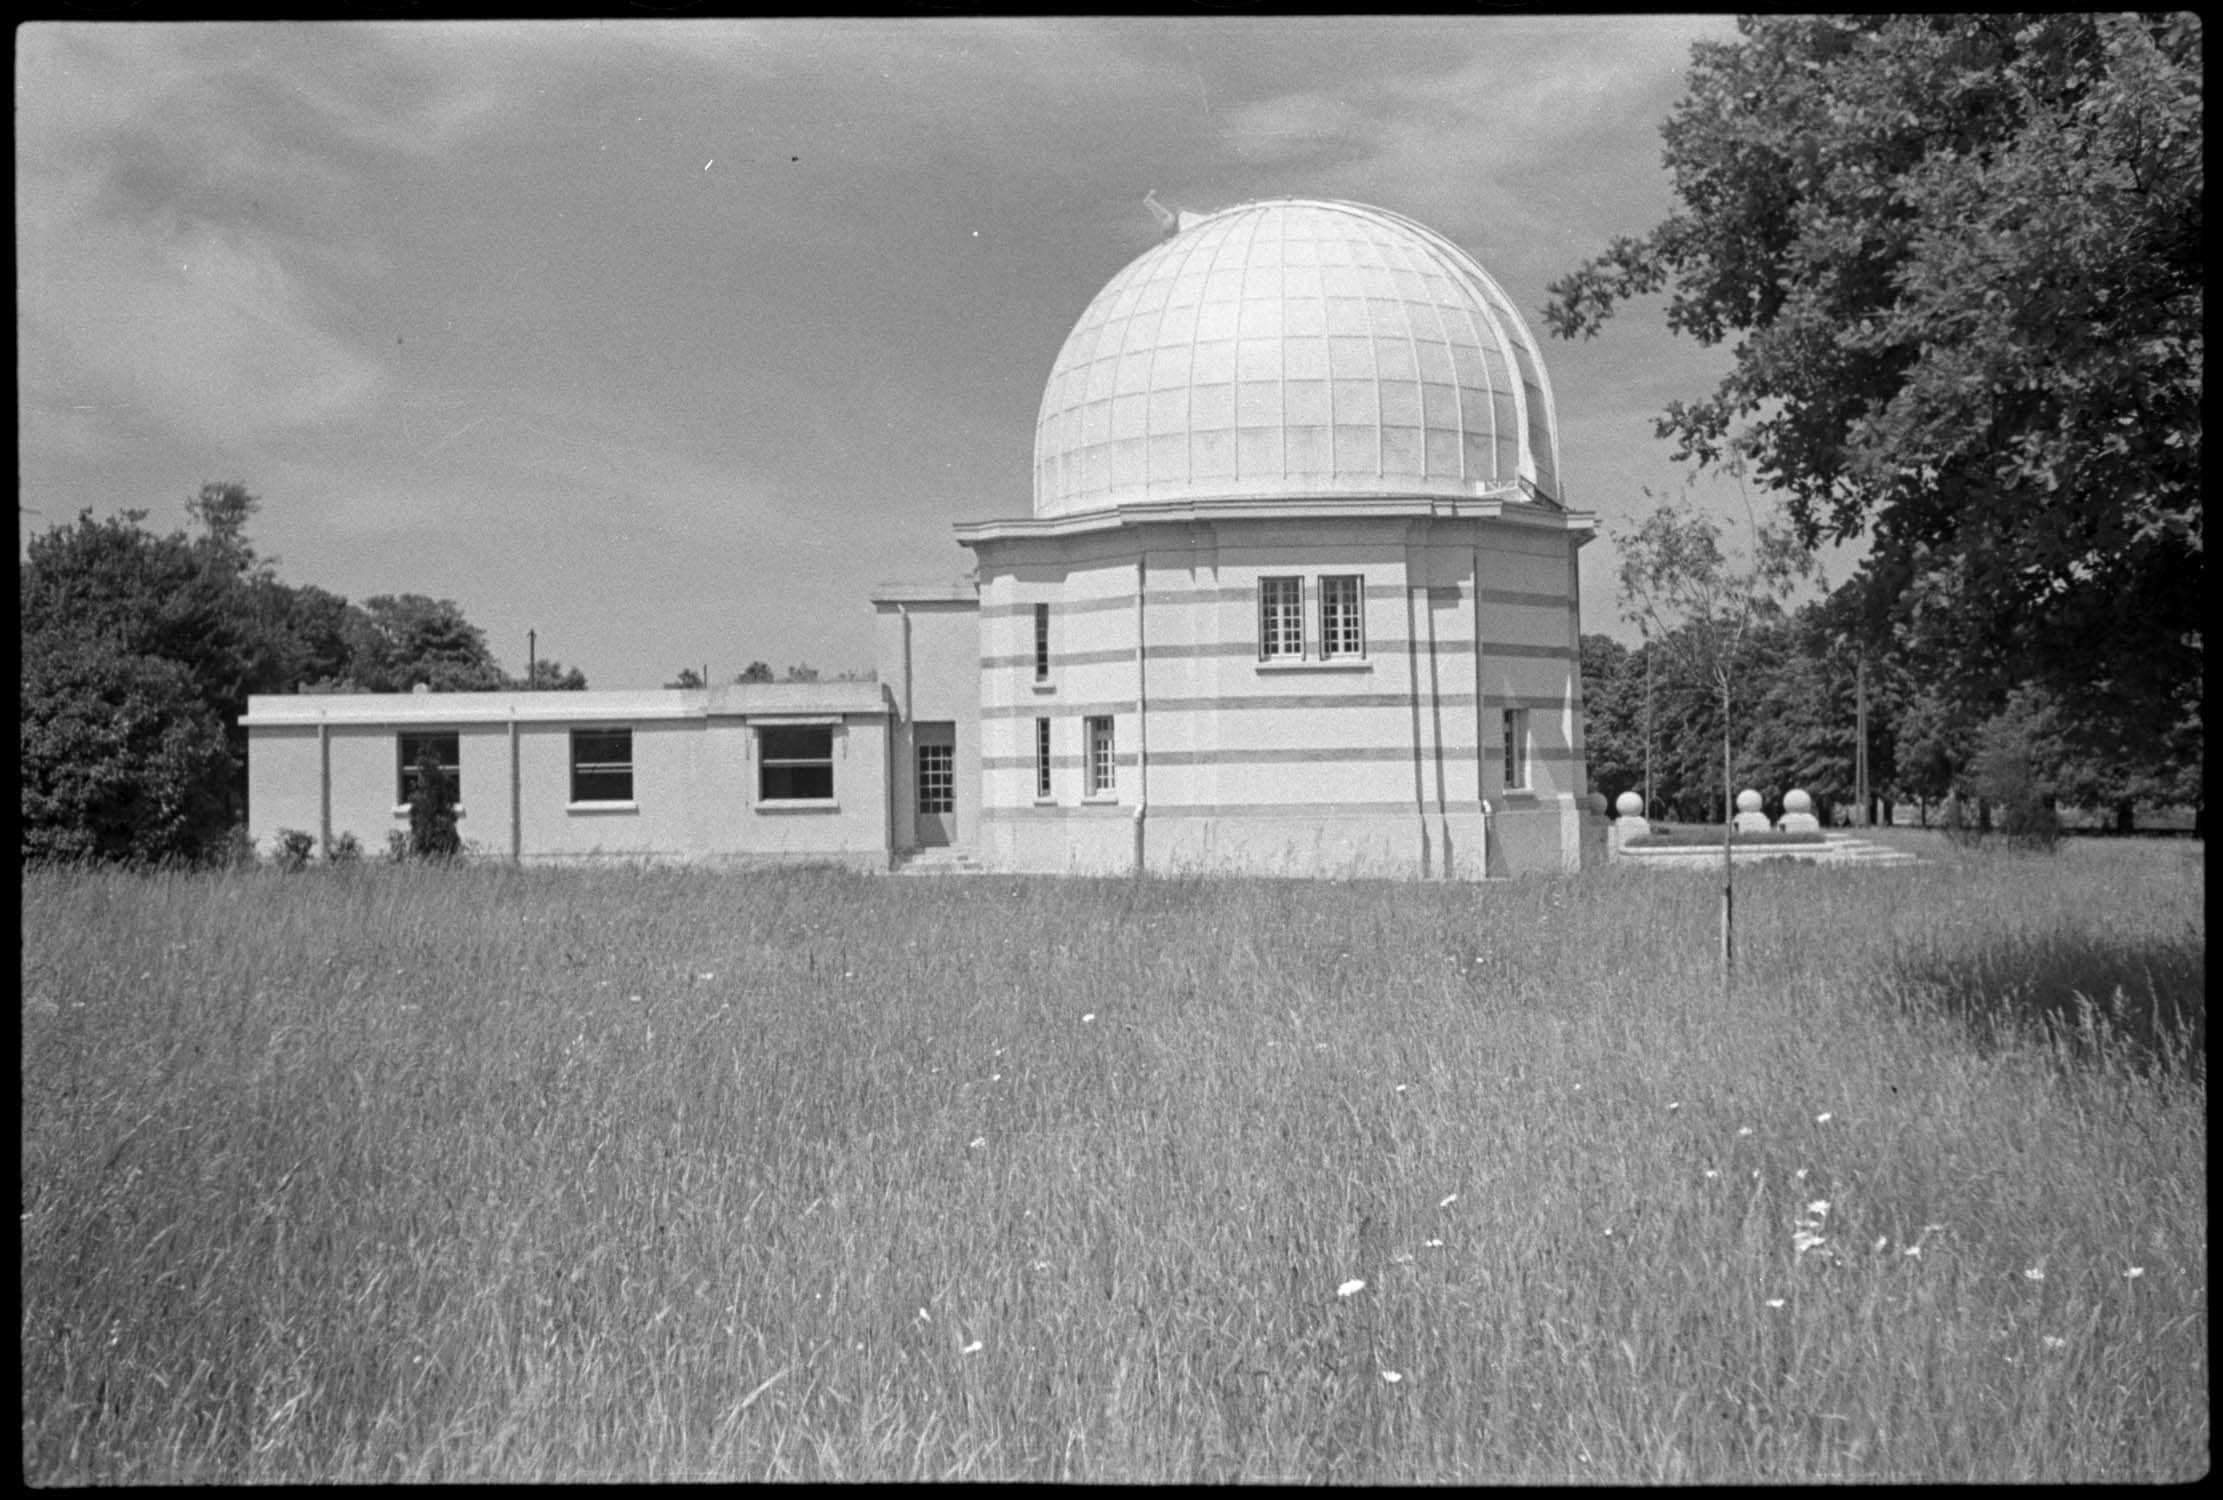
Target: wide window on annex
<point>795,763</point>
<point>601,765</point>
<point>1280,619</point>
<point>446,745</point>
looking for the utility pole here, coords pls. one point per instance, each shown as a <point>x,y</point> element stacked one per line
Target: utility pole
<point>1647,726</point>
<point>532,656</point>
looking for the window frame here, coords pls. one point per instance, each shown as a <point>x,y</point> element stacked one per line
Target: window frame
<point>602,768</point>
<point>1281,616</point>
<point>406,763</point>
<point>1042,643</point>
<point>1100,759</point>
<point>1353,612</point>
<point>1042,787</point>
<point>791,764</point>
<point>1518,759</point>
<point>936,794</point>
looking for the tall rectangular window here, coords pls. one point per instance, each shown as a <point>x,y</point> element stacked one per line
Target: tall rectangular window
<point>601,765</point>
<point>1516,749</point>
<point>1280,619</point>
<point>795,764</point>
<point>1042,643</point>
<point>1042,759</point>
<point>1102,762</point>
<point>446,745</point>
<point>937,778</point>
<point>1342,627</point>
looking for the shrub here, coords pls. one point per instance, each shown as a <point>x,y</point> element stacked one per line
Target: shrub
<point>294,848</point>
<point>432,830</point>
<point>347,850</point>
<point>397,845</point>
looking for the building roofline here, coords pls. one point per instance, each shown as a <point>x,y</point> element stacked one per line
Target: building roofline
<point>744,700</point>
<point>1509,504</point>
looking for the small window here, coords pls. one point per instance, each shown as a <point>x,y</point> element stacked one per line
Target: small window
<point>937,779</point>
<point>601,765</point>
<point>1516,749</point>
<point>795,765</point>
<point>1102,762</point>
<point>1342,628</point>
<point>410,749</point>
<point>1042,759</point>
<point>1280,618</point>
<point>1042,643</point>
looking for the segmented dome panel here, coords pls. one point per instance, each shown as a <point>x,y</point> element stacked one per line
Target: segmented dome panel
<point>1295,347</point>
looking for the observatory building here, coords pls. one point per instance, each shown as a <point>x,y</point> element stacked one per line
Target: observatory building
<point>1298,595</point>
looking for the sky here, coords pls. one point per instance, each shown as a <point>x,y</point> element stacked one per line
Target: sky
<point>668,340</point>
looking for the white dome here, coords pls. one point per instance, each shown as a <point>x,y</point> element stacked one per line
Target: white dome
<point>1295,347</point>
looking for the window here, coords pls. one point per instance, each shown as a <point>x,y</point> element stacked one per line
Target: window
<point>1516,749</point>
<point>1342,630</point>
<point>937,779</point>
<point>797,764</point>
<point>1280,618</point>
<point>1102,780</point>
<point>1042,643</point>
<point>448,746</point>
<point>601,765</point>
<point>1042,759</point>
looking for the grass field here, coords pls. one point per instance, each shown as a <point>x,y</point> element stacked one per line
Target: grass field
<point>395,1174</point>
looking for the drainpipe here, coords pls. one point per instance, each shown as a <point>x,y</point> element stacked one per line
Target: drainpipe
<point>516,796</point>
<point>900,748</point>
<point>324,783</point>
<point>1142,718</point>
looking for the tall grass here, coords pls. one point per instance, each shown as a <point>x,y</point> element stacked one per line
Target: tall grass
<point>397,1174</point>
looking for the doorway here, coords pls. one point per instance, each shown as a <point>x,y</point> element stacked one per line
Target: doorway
<point>936,751</point>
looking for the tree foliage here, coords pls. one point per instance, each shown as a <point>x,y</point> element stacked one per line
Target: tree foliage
<point>1962,262</point>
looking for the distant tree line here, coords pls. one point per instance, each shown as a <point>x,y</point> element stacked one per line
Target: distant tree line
<point>757,671</point>
<point>140,650</point>
<point>1795,716</point>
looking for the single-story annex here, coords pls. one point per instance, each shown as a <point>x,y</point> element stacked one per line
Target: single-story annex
<point>1299,595</point>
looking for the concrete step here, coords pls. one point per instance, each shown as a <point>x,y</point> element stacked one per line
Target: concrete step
<point>939,862</point>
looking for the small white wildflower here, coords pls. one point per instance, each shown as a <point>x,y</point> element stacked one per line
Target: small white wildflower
<point>979,1141</point>
<point>995,1078</point>
<point>1401,1258</point>
<point>1391,1376</point>
<point>1805,1240</point>
<point>971,1348</point>
<point>1448,1200</point>
<point>2134,1273</point>
<point>1431,1244</point>
<point>706,978</point>
<point>923,1318</point>
<point>1351,1288</point>
<point>1799,1175</point>
<point>1711,1174</point>
<point>1933,1228</point>
<point>1042,1265</point>
<point>634,998</point>
<point>2054,1343</point>
<point>1911,1250</point>
<point>1775,1301</point>
<point>1819,1208</point>
<point>1881,1241</point>
<point>1744,1130</point>
<point>1088,1018</point>
<point>1822,1118</point>
<point>2035,1273</point>
<point>1400,1088</point>
<point>1677,1104</point>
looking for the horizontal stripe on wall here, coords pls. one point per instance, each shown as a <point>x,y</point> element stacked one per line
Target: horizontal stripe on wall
<point>1213,651</point>
<point>1264,756</point>
<point>1246,594</point>
<point>1266,702</point>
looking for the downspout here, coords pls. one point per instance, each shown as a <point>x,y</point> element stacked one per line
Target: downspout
<point>1142,717</point>
<point>324,783</point>
<point>516,796</point>
<point>901,753</point>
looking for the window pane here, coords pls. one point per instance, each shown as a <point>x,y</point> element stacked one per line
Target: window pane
<point>1041,641</point>
<point>1341,633</point>
<point>1280,617</point>
<point>601,765</point>
<point>447,746</point>
<point>795,764</point>
<point>798,783</point>
<point>811,743</point>
<point>1041,757</point>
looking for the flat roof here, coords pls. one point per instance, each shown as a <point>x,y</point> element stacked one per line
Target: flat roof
<point>730,700</point>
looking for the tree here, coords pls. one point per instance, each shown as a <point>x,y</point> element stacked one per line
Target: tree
<point>688,678</point>
<point>401,640</point>
<point>551,676</point>
<point>432,825</point>
<point>120,758</point>
<point>1683,592</point>
<point>1613,715</point>
<point>1962,259</point>
<point>755,671</point>
<point>800,674</point>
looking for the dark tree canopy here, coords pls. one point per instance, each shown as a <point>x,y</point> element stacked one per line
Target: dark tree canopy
<point>1961,261</point>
